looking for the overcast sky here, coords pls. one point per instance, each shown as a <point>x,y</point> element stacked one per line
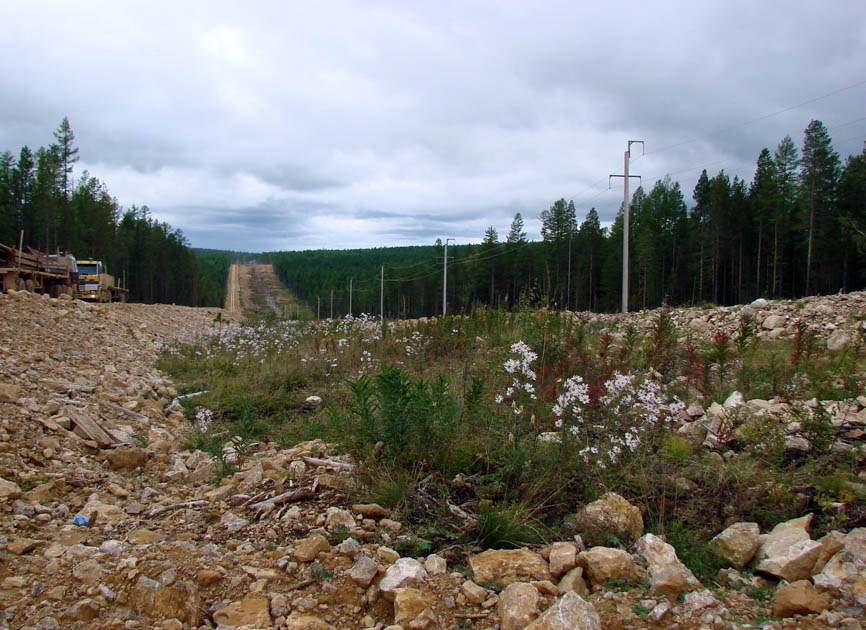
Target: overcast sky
<point>273,125</point>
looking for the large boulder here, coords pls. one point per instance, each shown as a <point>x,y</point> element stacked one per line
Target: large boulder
<point>601,564</point>
<point>505,566</point>
<point>518,605</point>
<point>609,519</point>
<point>788,552</point>
<point>845,572</point>
<point>570,612</point>
<point>563,558</point>
<point>668,576</point>
<point>799,598</point>
<point>737,544</point>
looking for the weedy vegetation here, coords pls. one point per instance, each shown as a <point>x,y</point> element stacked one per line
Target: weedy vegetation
<point>492,428</point>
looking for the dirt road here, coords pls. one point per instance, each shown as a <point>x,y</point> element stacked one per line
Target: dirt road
<point>233,294</point>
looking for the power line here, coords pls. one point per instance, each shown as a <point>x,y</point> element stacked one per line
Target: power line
<point>757,119</point>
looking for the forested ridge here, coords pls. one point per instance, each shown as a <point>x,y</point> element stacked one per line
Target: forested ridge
<point>798,228</point>
<point>59,211</point>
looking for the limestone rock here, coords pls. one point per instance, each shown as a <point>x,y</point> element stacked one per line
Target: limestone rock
<point>21,546</point>
<point>508,565</point>
<point>363,571</point>
<point>601,564</point>
<point>843,573</point>
<point>84,610</point>
<point>563,558</point>
<point>799,598</point>
<point>339,518</point>
<point>409,603</point>
<point>406,572</point>
<point>306,549</point>
<point>89,571</point>
<point>609,516</point>
<point>839,340</point>
<point>8,488</point>
<point>518,606</point>
<point>127,458</point>
<point>788,552</point>
<point>573,581</point>
<point>232,522</point>
<point>435,565</point>
<point>370,510</point>
<point>771,322</point>
<point>253,611</point>
<point>473,593</point>
<point>737,544</point>
<point>179,600</point>
<point>570,612</point>
<point>668,575</point>
<point>300,621</point>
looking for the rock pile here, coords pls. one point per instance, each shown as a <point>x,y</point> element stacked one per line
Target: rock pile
<point>108,521</point>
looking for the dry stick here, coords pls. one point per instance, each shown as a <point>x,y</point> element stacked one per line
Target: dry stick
<point>128,412</point>
<point>329,463</point>
<point>300,585</point>
<point>472,615</point>
<point>176,506</point>
<point>298,494</point>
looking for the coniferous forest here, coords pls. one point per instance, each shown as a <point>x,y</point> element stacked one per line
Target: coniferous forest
<point>799,228</point>
<point>58,211</point>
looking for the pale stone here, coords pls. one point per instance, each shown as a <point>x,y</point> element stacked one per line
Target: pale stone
<point>570,612</point>
<point>142,536</point>
<point>435,565</point>
<point>563,558</point>
<point>793,563</point>
<point>301,621</point>
<point>799,598</point>
<point>518,606</point>
<point>759,303</point>
<point>772,322</point>
<point>406,572</point>
<point>9,392</point>
<point>609,516</point>
<point>252,611</point>
<point>306,549</point>
<point>473,593</point>
<point>232,522</point>
<point>363,571</point>
<point>601,564</point>
<point>838,341</point>
<point>573,581</point>
<point>8,488</point>
<point>21,546</point>
<point>843,573</point>
<point>831,544</point>
<point>737,544</point>
<point>409,603</point>
<point>338,518</point>
<point>668,576</point>
<point>507,566</point>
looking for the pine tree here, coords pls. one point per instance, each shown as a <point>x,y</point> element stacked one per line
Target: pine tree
<point>786,161</point>
<point>764,196</point>
<point>819,172</point>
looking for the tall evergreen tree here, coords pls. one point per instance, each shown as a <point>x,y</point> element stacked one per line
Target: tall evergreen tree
<point>786,160</point>
<point>819,173</point>
<point>764,196</point>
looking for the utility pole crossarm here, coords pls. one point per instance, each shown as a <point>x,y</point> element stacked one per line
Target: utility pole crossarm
<point>625,236</point>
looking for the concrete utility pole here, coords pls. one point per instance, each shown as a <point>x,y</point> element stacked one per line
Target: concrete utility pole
<point>445,279</point>
<point>350,296</point>
<point>625,236</point>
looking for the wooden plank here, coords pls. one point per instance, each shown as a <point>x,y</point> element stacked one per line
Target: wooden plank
<point>91,428</point>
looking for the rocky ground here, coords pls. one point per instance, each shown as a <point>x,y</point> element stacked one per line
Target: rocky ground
<point>107,521</point>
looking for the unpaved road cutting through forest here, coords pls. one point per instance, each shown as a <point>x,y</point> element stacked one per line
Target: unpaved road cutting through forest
<point>233,294</point>
<point>255,289</point>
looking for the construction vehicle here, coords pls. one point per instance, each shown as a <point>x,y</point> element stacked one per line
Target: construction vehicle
<point>96,284</point>
<point>26,269</point>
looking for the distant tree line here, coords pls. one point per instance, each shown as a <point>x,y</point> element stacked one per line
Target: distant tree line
<point>799,228</point>
<point>57,213</point>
